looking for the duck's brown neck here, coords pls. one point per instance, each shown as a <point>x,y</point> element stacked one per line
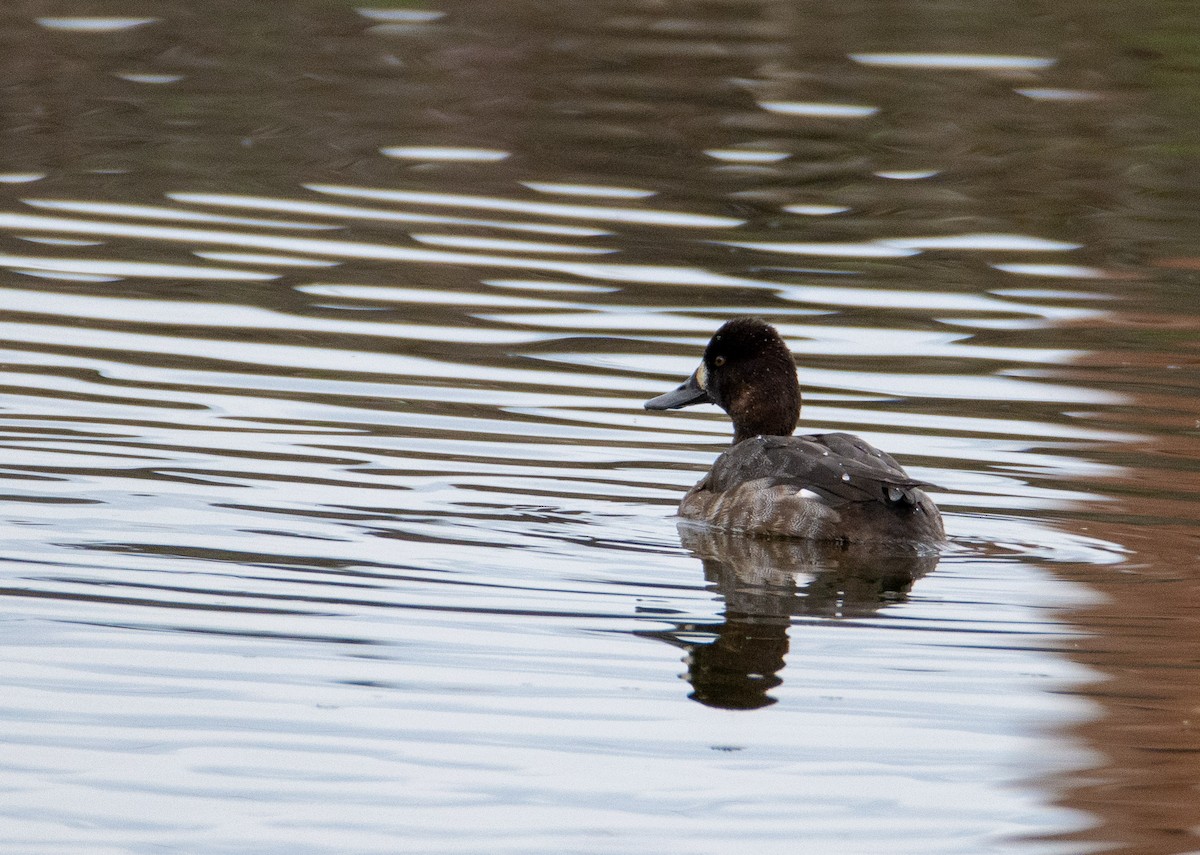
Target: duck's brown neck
<point>770,413</point>
<point>749,431</point>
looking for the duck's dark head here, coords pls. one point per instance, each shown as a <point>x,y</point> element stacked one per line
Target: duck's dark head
<point>748,372</point>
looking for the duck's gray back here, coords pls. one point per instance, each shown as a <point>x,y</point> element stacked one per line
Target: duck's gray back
<point>830,486</point>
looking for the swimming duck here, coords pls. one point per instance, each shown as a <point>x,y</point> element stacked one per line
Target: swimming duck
<point>827,487</point>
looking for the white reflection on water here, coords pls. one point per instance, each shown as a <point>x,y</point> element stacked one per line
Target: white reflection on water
<point>402,15</point>
<point>64,276</point>
<point>1051,94</point>
<point>819,110</point>
<point>94,24</point>
<point>386,294</point>
<point>149,79</point>
<point>735,155</point>
<point>59,241</point>
<point>355,212</point>
<point>502,245</point>
<point>955,61</point>
<point>137,269</point>
<point>643,216</point>
<point>445,153</point>
<point>21,177</point>
<point>869,249</point>
<point>260,258</point>
<point>908,174</point>
<point>1058,271</point>
<point>816,210</point>
<point>605,192</point>
<point>159,212</point>
<point>999,242</point>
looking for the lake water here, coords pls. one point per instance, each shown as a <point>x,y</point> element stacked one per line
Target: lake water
<point>334,523</point>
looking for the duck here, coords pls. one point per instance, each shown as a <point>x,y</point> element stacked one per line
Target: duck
<point>832,487</point>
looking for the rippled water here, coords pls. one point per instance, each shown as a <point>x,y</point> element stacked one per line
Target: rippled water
<point>333,519</point>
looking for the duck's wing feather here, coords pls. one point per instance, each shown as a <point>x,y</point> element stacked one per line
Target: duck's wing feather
<point>836,467</point>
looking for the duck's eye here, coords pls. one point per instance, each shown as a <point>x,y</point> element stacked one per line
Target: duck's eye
<point>719,361</point>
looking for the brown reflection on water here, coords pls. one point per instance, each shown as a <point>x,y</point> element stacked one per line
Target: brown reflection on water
<point>1142,637</point>
<point>1144,642</point>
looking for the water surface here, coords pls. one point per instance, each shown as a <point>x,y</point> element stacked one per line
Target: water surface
<point>334,520</point>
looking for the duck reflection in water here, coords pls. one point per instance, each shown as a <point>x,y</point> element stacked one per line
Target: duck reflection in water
<point>765,583</point>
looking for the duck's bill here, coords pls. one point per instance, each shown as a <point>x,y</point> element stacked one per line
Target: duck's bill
<point>687,394</point>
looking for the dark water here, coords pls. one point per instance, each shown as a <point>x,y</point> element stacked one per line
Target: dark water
<point>334,522</point>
